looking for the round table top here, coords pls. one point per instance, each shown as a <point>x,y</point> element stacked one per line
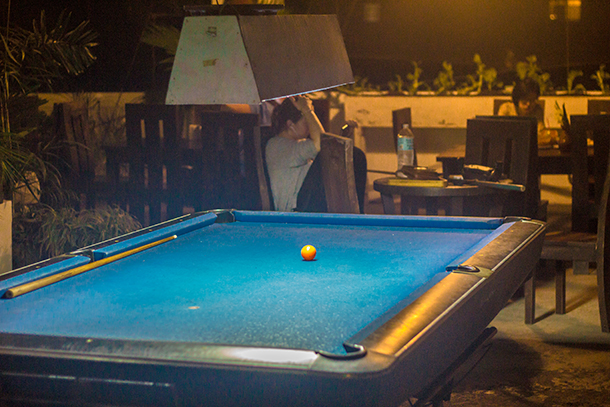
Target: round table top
<point>383,186</point>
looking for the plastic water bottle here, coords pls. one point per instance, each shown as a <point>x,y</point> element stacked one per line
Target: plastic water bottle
<point>404,148</point>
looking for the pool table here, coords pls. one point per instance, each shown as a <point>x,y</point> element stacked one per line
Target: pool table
<point>219,308</point>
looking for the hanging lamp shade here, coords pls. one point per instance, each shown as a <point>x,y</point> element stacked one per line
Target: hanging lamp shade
<point>247,59</point>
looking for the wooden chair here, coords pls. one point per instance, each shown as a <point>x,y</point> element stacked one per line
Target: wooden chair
<point>264,184</point>
<point>71,123</point>
<point>337,169</point>
<point>225,162</point>
<point>513,142</point>
<point>217,168</point>
<point>579,246</point>
<point>337,164</point>
<point>598,106</point>
<point>152,154</point>
<point>584,203</point>
<point>500,102</point>
<point>399,118</point>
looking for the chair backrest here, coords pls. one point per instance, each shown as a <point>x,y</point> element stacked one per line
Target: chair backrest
<point>337,162</point>
<point>72,126</point>
<point>217,168</point>
<point>500,102</point>
<point>153,157</point>
<point>228,164</point>
<point>603,253</point>
<point>71,121</point>
<point>261,137</point>
<point>584,204</point>
<point>513,141</point>
<point>598,106</point>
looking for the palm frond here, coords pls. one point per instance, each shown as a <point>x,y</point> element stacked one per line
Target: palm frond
<point>165,37</point>
<point>45,54</point>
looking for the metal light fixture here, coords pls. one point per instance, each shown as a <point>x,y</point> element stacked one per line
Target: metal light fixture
<point>570,8</point>
<point>247,59</point>
<point>571,12</point>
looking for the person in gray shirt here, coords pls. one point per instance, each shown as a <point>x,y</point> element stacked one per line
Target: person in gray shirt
<point>291,152</point>
<point>295,172</point>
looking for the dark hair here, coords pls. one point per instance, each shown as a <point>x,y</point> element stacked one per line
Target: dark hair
<point>282,113</point>
<point>524,88</point>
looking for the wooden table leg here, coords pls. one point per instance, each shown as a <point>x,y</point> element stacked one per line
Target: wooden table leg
<point>560,287</point>
<point>530,297</point>
<point>388,204</point>
<point>410,205</point>
<point>456,206</point>
<point>432,206</point>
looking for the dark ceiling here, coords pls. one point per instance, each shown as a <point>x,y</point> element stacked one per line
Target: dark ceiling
<point>426,31</point>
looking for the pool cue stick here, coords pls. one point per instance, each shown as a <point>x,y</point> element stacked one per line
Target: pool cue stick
<point>43,282</point>
<point>499,185</point>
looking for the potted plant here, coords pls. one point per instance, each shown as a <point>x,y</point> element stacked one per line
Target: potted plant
<point>415,84</point>
<point>42,232</point>
<point>579,88</point>
<point>483,76</point>
<point>600,77</point>
<point>444,82</point>
<point>33,60</point>
<point>531,69</point>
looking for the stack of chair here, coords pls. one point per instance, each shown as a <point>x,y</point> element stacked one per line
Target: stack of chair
<point>71,128</point>
<point>170,171</point>
<point>152,157</point>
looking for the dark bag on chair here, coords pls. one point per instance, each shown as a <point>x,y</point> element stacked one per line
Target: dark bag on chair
<point>312,197</point>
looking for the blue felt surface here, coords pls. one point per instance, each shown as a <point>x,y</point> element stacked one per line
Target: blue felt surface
<point>245,283</point>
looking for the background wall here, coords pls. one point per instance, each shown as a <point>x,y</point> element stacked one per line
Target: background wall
<point>6,217</point>
<point>501,31</point>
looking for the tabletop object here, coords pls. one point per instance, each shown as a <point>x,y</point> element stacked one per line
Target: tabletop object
<point>228,313</point>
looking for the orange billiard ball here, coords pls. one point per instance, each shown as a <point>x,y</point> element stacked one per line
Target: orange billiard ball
<point>308,252</point>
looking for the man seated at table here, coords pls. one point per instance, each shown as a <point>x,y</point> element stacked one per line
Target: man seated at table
<point>525,102</point>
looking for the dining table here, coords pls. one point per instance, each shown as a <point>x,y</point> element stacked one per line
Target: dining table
<point>447,198</point>
<point>552,159</point>
<point>555,160</point>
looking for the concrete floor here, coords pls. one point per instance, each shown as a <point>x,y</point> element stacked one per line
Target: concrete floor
<point>561,360</point>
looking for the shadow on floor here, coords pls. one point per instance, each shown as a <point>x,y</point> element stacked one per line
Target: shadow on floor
<point>507,364</point>
<point>537,374</point>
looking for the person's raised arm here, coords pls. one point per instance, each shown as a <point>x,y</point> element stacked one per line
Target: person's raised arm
<point>315,127</point>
